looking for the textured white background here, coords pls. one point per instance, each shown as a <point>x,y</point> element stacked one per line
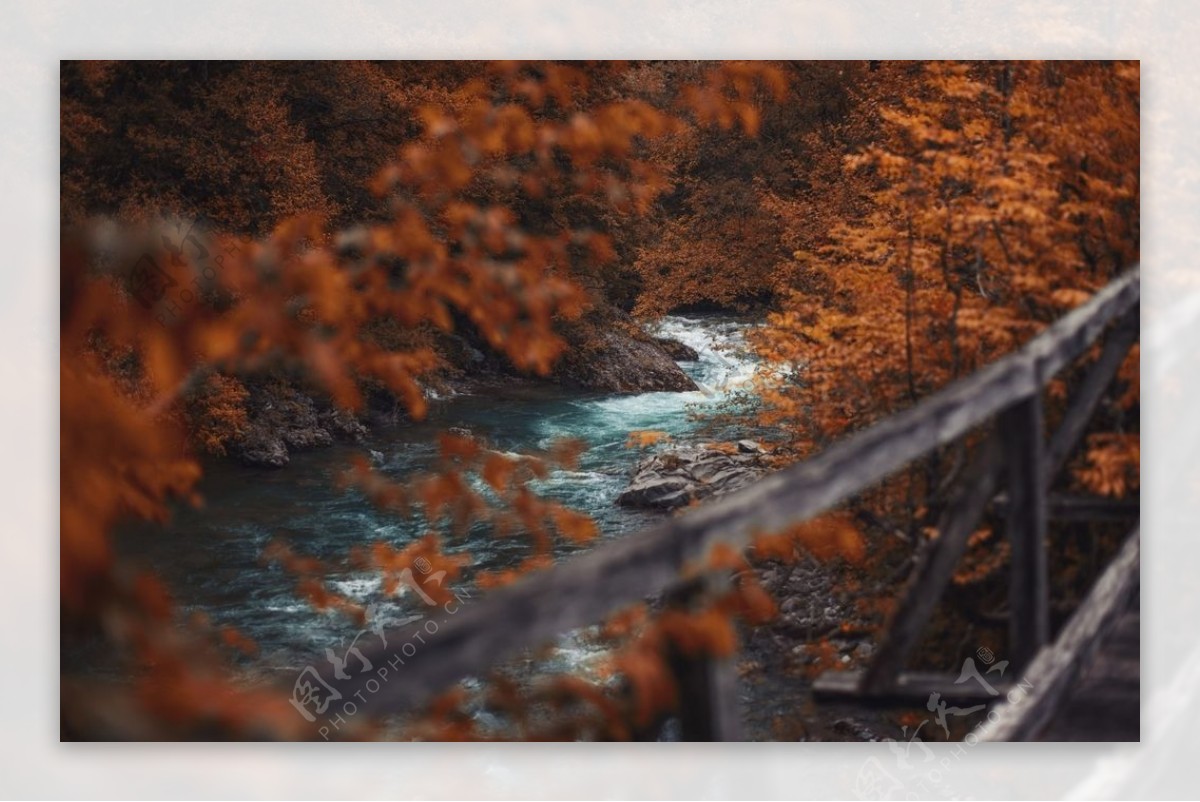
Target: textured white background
<point>35,35</point>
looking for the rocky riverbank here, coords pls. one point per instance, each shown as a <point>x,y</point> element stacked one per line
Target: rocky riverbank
<point>284,419</point>
<point>609,355</point>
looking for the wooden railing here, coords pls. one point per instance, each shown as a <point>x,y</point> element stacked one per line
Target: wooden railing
<point>1051,677</point>
<point>585,589</point>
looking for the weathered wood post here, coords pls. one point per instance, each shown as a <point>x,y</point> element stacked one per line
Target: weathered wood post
<point>1021,430</point>
<point>708,700</point>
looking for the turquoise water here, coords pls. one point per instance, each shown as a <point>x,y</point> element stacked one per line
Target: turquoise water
<point>210,557</point>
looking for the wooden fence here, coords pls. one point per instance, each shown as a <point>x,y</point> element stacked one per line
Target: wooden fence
<point>1015,458</point>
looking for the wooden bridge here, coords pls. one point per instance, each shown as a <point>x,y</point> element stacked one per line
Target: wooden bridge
<point>1013,470</point>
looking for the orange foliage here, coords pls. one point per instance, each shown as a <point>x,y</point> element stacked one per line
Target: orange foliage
<point>1111,464</point>
<point>984,222</point>
<point>645,439</point>
<point>447,494</point>
<point>824,657</point>
<point>825,537</point>
<point>217,414</point>
<point>129,464</point>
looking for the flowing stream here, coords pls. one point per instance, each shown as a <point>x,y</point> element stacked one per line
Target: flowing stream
<point>210,557</point>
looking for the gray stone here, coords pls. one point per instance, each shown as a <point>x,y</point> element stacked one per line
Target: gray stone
<point>678,351</point>
<point>665,492</point>
<point>263,451</point>
<point>678,476</point>
<point>343,425</point>
<point>307,437</point>
<point>617,359</point>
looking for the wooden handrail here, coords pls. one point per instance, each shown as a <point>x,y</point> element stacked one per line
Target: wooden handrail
<point>1052,674</point>
<point>586,588</point>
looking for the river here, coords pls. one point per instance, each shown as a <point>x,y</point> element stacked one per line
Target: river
<point>210,557</point>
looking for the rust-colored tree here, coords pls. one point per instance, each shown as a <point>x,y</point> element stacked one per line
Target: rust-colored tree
<point>996,197</point>
<point>1002,195</point>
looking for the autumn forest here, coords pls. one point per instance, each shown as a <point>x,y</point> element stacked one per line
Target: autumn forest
<point>353,352</point>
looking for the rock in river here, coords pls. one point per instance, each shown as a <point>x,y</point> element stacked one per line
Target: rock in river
<point>618,361</point>
<point>680,352</point>
<point>676,477</point>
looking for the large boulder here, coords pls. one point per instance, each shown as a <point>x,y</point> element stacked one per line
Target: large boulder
<point>678,476</point>
<point>680,352</point>
<point>607,351</point>
<point>618,359</point>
